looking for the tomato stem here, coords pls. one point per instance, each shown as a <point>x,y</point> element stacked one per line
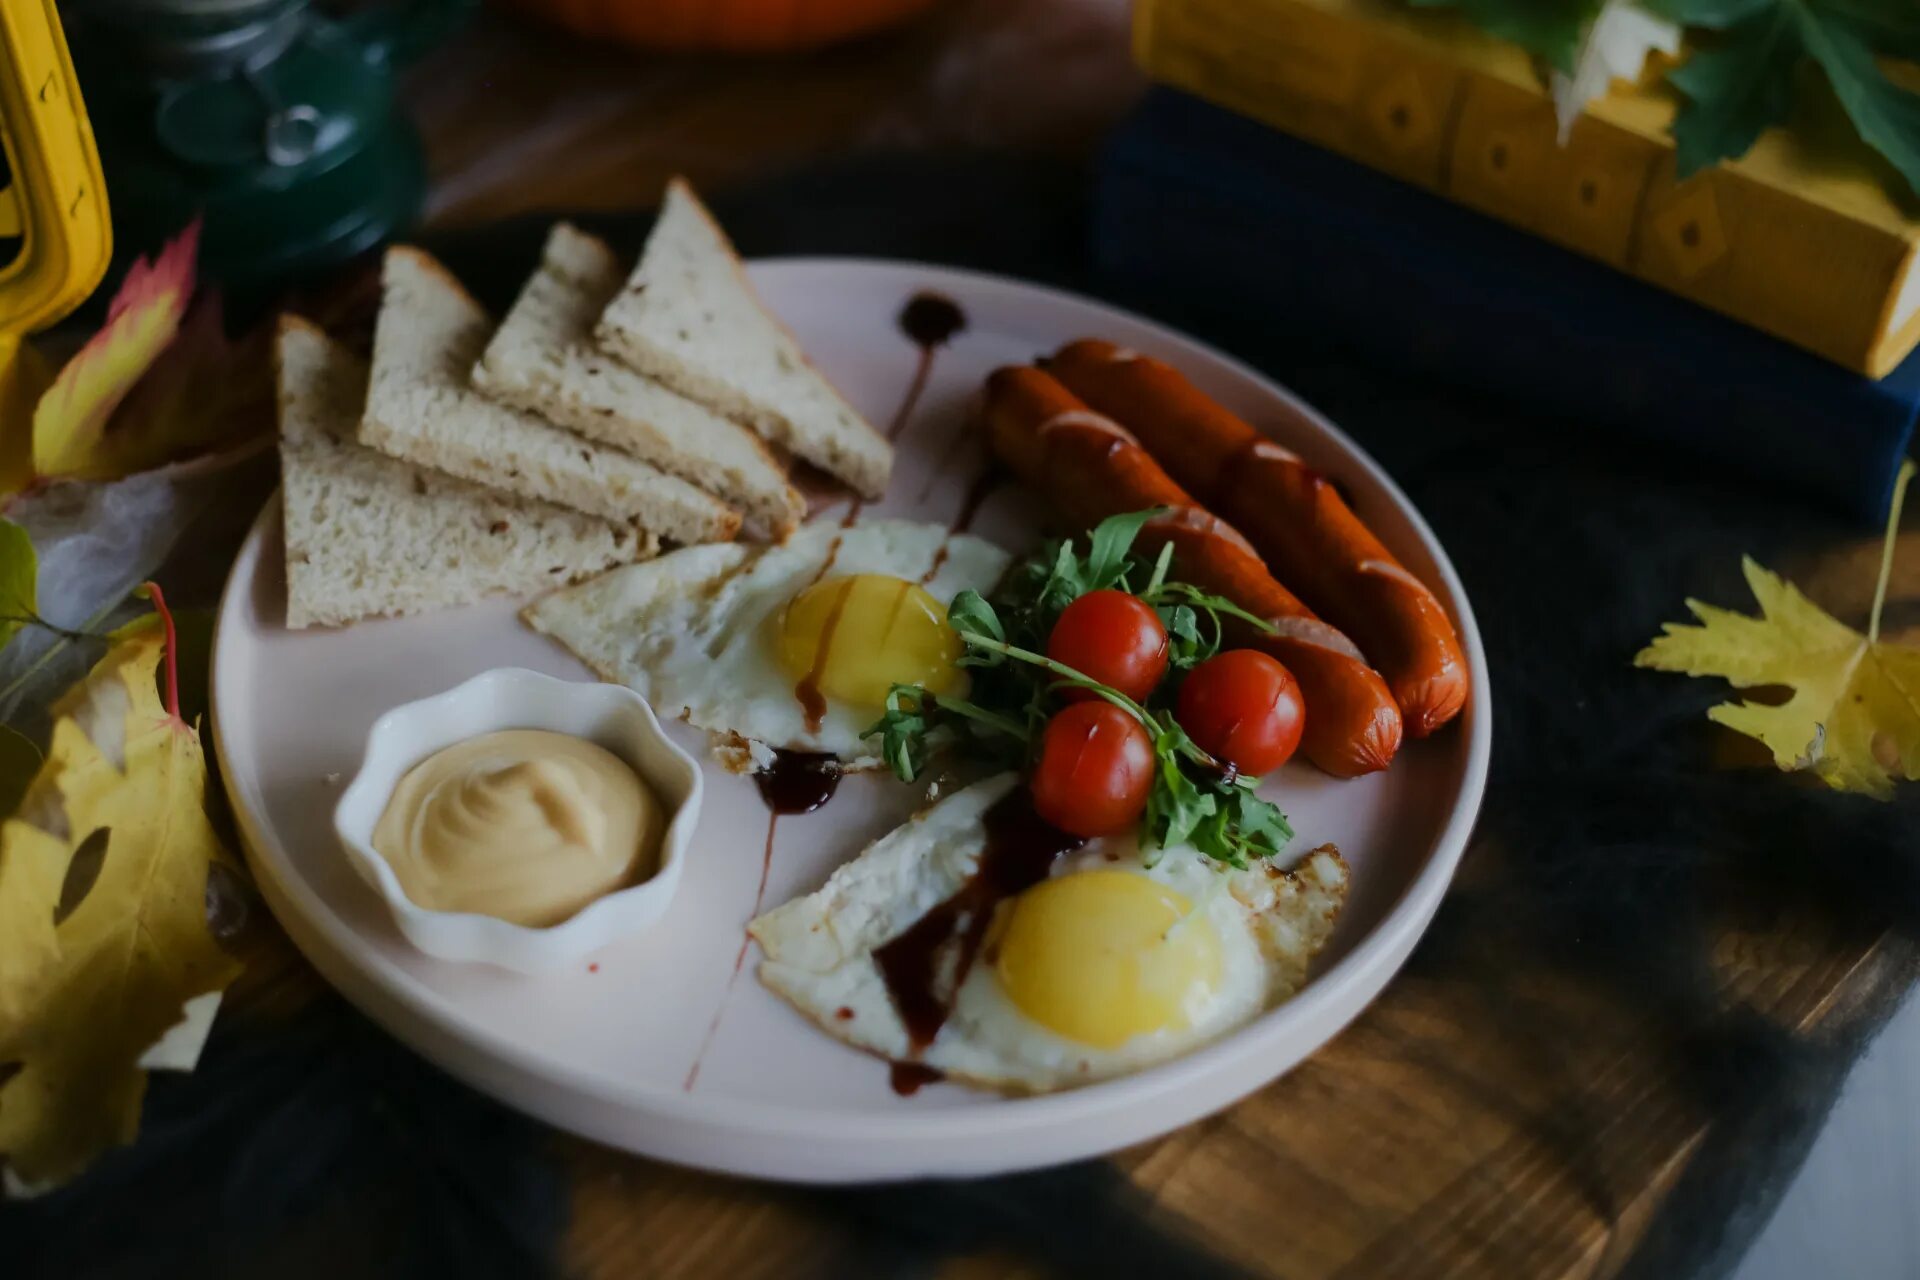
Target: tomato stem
<point>1182,744</point>
<point>980,715</point>
<point>1076,679</point>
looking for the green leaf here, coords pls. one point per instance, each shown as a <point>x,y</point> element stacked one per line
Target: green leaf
<point>1176,806</point>
<point>1887,116</point>
<point>1161,564</point>
<point>971,614</point>
<point>1891,27</point>
<point>1262,826</point>
<point>1185,645</point>
<point>1736,90</point>
<point>903,731</point>
<point>1717,15</point>
<point>19,573</point>
<point>1549,28</point>
<point>1109,543</point>
<point>1742,84</point>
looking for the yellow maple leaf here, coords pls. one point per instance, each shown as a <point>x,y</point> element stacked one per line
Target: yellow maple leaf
<point>87,987</point>
<point>1854,717</point>
<point>70,422</point>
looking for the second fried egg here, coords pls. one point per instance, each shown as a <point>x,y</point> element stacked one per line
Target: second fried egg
<point>1110,961</point>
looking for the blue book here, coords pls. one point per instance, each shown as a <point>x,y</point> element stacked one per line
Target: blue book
<point>1207,210</point>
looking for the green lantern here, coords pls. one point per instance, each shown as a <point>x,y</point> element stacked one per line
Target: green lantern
<point>274,122</point>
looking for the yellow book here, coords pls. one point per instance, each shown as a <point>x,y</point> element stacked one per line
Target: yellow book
<point>1805,237</point>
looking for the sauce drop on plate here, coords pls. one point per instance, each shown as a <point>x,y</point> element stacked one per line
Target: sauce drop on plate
<point>931,319</point>
<point>798,781</point>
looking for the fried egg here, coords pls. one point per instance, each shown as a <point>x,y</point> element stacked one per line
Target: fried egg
<point>792,646</point>
<point>1105,966</point>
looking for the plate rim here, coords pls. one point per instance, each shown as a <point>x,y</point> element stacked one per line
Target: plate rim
<point>1385,946</point>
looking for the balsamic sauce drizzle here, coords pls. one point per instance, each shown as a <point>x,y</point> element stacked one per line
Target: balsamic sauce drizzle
<point>801,782</point>
<point>907,1077</point>
<point>813,703</point>
<point>930,320</point>
<point>978,492</point>
<point>740,956</point>
<point>1020,851</point>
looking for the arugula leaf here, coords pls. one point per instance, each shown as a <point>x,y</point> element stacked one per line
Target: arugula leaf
<point>1550,28</point>
<point>903,730</point>
<point>915,723</point>
<point>1109,543</point>
<point>1263,829</point>
<point>1161,564</point>
<point>1185,647</point>
<point>1193,801</point>
<point>1065,580</point>
<point>970,612</point>
<point>1176,806</point>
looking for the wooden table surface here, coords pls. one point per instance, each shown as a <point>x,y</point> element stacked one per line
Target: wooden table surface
<point>1429,1139</point>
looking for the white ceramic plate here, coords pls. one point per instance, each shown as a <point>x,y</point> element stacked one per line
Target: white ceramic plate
<point>666,1044</point>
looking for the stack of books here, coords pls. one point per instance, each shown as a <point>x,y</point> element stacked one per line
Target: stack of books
<point>1396,177</point>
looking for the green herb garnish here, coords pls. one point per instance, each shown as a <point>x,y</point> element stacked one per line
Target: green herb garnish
<point>1195,799</point>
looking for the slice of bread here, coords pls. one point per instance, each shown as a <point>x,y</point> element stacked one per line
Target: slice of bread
<point>688,317</point>
<point>368,535</point>
<point>420,408</point>
<point>542,359</point>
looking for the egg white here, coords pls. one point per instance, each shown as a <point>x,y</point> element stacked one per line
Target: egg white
<point>818,949</point>
<point>695,632</point>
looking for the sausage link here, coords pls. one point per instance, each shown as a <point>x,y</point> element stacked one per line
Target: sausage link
<point>1089,468</point>
<point>1295,518</point>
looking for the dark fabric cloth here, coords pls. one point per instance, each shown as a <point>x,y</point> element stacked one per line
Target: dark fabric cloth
<point>1608,840</point>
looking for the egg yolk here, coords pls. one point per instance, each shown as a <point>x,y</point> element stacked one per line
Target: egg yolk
<point>854,638</point>
<point>1102,956</point>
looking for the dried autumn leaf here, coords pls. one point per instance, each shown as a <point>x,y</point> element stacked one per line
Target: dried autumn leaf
<point>85,993</point>
<point>24,378</point>
<point>1854,717</point>
<point>204,393</point>
<point>19,569</point>
<point>20,760</point>
<point>70,422</point>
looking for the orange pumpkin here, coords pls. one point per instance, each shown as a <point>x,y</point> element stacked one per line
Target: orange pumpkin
<point>726,26</point>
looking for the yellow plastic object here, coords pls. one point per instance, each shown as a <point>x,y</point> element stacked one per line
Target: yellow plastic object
<point>57,200</point>
<point>1803,237</point>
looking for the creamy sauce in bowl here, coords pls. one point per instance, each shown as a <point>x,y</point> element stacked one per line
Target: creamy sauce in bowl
<point>525,825</point>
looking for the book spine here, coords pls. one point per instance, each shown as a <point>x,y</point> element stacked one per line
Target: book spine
<point>1458,114</point>
<point>1237,230</point>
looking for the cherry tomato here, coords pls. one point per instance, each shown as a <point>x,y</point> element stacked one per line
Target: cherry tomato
<point>1095,770</point>
<point>1244,708</point>
<point>1114,638</point>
